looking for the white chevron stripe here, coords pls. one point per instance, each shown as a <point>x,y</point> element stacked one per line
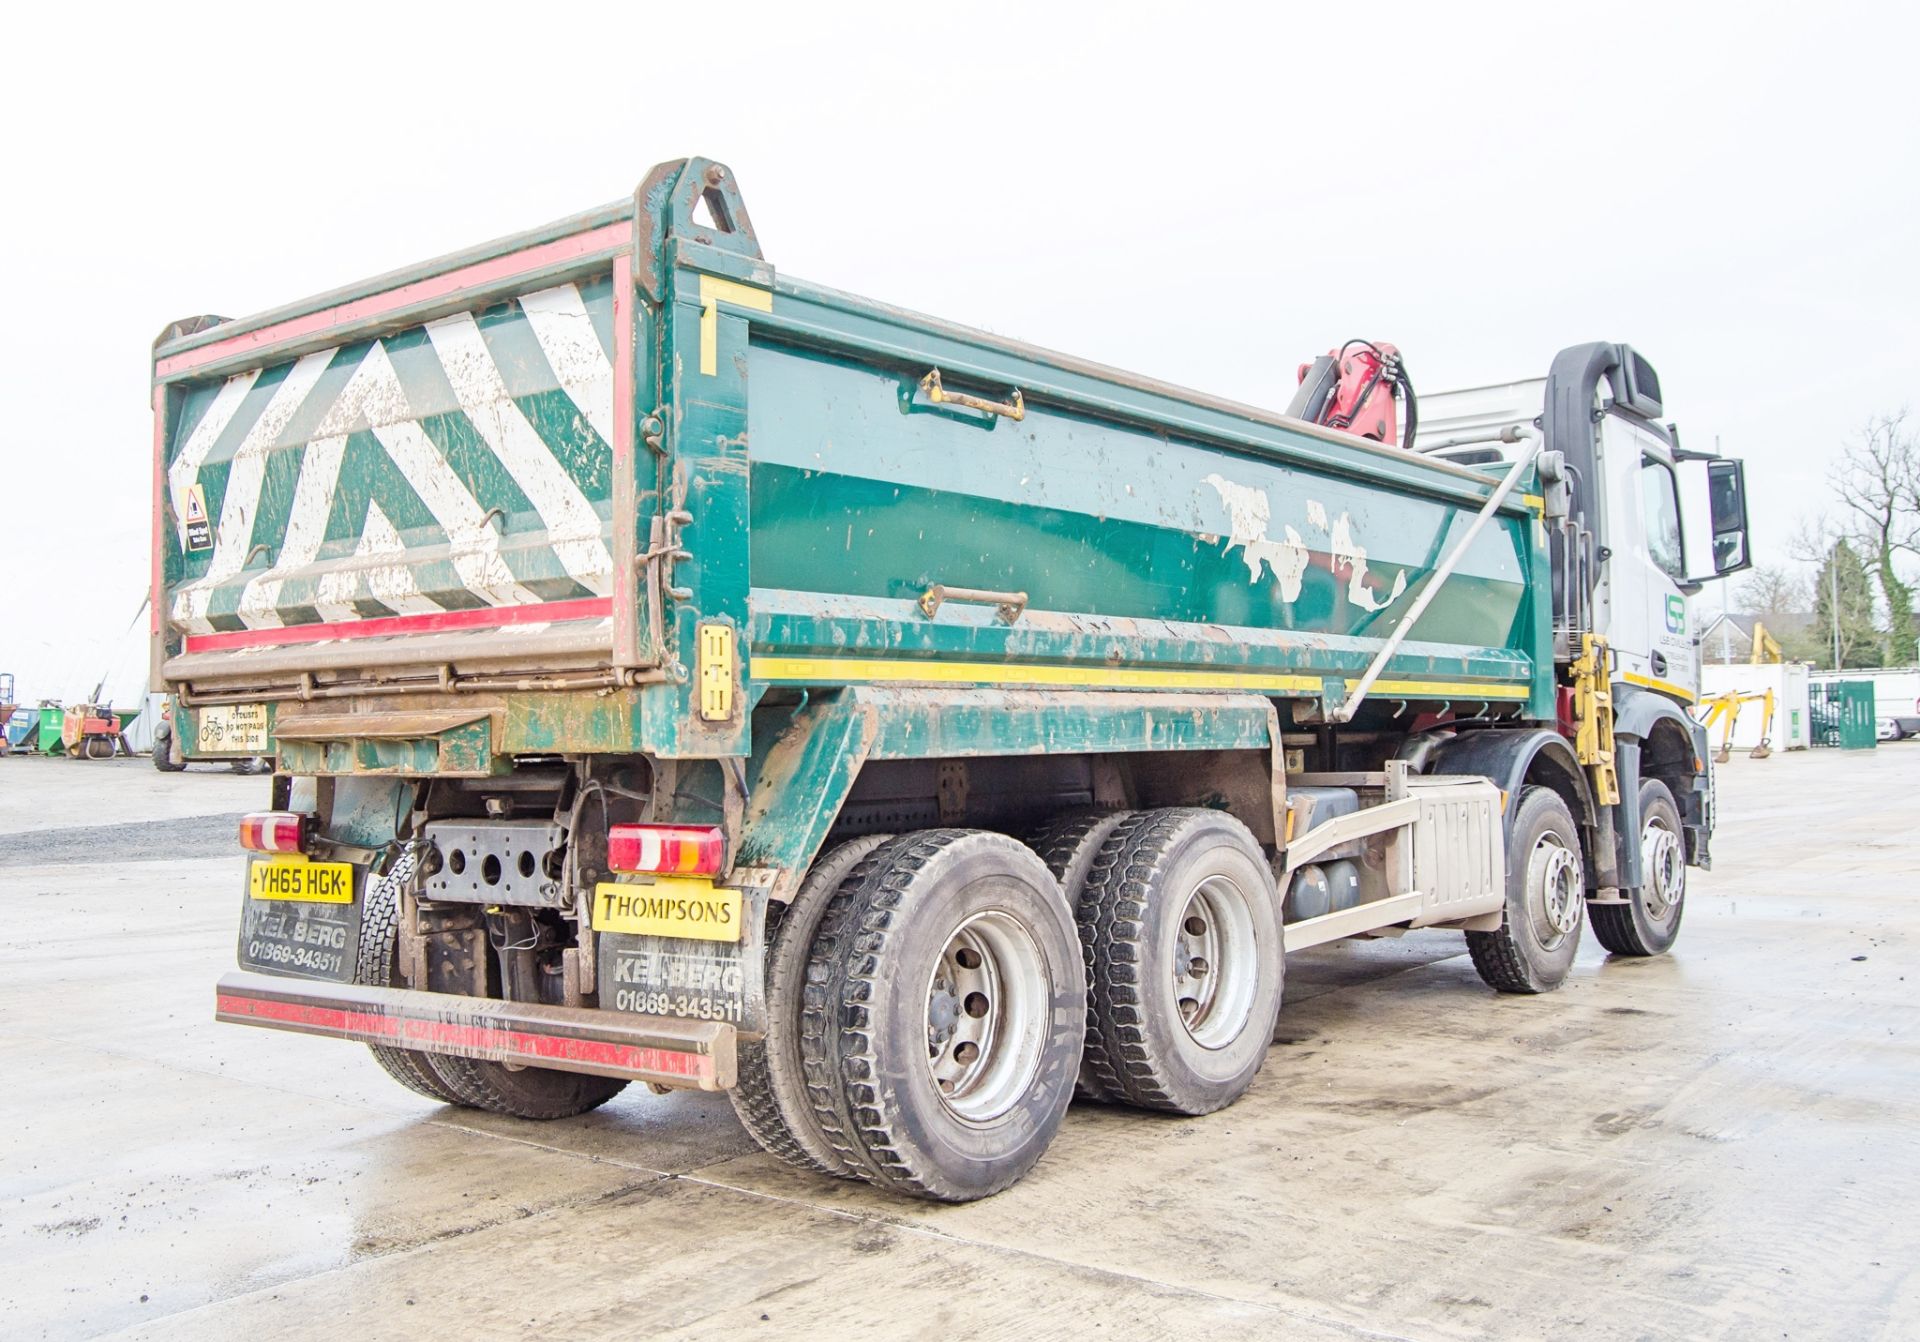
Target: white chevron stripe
<point>186,466</point>
<point>560,323</point>
<point>243,491</point>
<point>374,395</point>
<point>306,529</point>
<point>573,528</point>
<point>390,583</point>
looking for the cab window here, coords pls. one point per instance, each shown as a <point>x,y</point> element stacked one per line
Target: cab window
<point>1660,510</point>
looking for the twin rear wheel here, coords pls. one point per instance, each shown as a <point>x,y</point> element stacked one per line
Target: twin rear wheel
<point>520,1092</point>
<point>934,1000</point>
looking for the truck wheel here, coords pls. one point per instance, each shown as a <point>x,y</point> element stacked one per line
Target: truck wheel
<point>163,753</point>
<point>1650,923</point>
<point>538,1093</point>
<point>1546,898</point>
<point>945,1002</point>
<point>1181,923</point>
<point>1068,845</point>
<point>771,1095</point>
<point>376,967</point>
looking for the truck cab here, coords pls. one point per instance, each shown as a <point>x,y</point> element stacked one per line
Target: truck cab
<point>1647,522</point>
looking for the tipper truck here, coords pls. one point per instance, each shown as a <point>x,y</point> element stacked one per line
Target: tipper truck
<point>677,672</point>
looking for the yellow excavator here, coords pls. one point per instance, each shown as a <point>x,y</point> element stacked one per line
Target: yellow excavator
<point>1725,706</point>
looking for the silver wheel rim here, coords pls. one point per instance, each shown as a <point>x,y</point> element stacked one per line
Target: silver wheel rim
<point>1215,963</point>
<point>987,1009</point>
<point>1555,892</point>
<point>1665,869</point>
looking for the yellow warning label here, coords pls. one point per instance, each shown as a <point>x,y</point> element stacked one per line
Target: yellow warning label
<point>716,672</point>
<point>199,530</point>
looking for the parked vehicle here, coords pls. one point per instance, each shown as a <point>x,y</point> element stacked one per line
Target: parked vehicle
<point>94,731</point>
<point>683,673</point>
<point>170,761</point>
<point>1896,699</point>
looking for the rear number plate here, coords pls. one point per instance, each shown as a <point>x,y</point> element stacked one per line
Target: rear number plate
<point>297,878</point>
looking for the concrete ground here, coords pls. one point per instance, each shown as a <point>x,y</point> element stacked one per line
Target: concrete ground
<point>1721,1143</point>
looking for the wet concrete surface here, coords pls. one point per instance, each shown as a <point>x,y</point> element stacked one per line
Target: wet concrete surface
<point>1718,1143</point>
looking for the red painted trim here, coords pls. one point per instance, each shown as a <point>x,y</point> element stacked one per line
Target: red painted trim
<point>626,635</point>
<point>489,617</point>
<point>481,1039</point>
<point>393,300</point>
<point>158,589</point>
<point>622,356</point>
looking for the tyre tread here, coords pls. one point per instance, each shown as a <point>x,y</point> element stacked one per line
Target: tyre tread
<point>1615,925</point>
<point>1498,956</point>
<point>839,1049</point>
<point>1113,918</point>
<point>379,927</point>
<point>772,1106</point>
<point>1068,844</point>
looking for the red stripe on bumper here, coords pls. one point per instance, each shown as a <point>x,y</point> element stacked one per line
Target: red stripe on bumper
<point>450,1036</point>
<point>597,1041</point>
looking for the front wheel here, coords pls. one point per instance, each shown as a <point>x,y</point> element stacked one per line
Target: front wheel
<point>1649,922</point>
<point>1546,900</point>
<point>941,1027</point>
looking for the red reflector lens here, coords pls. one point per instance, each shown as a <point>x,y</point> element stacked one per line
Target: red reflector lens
<point>665,850</point>
<point>273,832</point>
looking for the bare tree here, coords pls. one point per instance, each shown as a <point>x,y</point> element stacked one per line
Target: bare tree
<point>1782,597</point>
<point>1878,486</point>
<point>1770,592</point>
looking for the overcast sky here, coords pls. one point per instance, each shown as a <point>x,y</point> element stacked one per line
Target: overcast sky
<point>1205,194</point>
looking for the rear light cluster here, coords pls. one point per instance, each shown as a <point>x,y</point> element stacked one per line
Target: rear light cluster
<point>666,850</point>
<point>275,831</point>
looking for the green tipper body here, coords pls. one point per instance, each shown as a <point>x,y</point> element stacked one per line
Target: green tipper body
<point>608,487</point>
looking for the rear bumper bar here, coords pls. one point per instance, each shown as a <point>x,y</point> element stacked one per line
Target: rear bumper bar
<point>660,1049</point>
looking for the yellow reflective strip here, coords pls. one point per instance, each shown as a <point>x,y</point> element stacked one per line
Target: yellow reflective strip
<point>1534,501</point>
<point>714,291</point>
<point>1447,689</point>
<point>1664,686</point>
<point>831,670</point>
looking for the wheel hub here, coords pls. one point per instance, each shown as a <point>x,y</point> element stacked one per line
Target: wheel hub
<point>1665,875</point>
<point>987,1006</point>
<point>1215,963</point>
<point>1555,890</point>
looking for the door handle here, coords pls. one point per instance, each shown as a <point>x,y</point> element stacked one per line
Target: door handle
<point>1659,664</point>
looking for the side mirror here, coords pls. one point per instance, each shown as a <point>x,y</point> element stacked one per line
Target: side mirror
<point>1713,515</point>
